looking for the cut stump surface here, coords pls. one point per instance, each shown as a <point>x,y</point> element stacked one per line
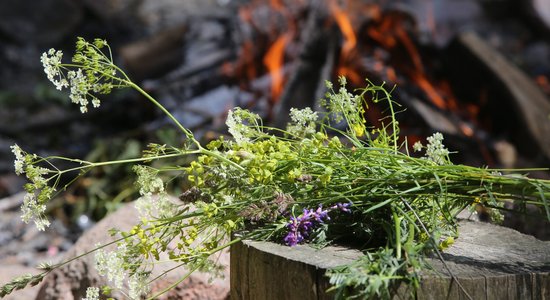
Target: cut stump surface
<point>490,262</point>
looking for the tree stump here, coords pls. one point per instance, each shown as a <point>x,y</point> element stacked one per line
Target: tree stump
<point>489,261</point>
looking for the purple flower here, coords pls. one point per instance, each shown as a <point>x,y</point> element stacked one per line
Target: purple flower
<point>342,207</point>
<point>299,228</point>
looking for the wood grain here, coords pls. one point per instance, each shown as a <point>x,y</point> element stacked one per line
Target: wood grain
<point>490,262</point>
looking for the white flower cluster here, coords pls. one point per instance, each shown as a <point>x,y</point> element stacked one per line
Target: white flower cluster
<point>417,147</point>
<point>138,285</point>
<point>80,85</point>
<point>33,210</point>
<point>435,150</point>
<point>241,124</point>
<point>149,183</point>
<point>80,90</point>
<point>343,105</point>
<point>155,206</point>
<point>19,162</point>
<point>92,293</point>
<point>303,122</point>
<point>112,264</point>
<point>38,191</point>
<point>92,72</point>
<point>51,60</point>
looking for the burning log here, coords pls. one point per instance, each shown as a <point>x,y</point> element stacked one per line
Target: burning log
<point>434,118</point>
<point>313,67</point>
<point>482,67</point>
<point>538,11</point>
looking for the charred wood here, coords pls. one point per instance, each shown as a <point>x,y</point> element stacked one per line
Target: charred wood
<point>155,55</point>
<point>517,105</point>
<point>314,65</point>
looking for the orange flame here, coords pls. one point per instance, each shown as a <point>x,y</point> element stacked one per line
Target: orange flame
<point>277,5</point>
<point>349,73</point>
<point>421,80</point>
<point>346,28</point>
<point>274,60</point>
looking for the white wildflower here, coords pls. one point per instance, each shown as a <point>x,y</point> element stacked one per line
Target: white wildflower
<point>164,207</point>
<point>435,150</point>
<point>80,88</point>
<point>228,199</point>
<point>345,106</point>
<point>243,125</point>
<point>32,210</point>
<point>148,181</point>
<point>51,61</point>
<point>303,121</point>
<point>138,285</point>
<point>96,103</point>
<point>417,146</point>
<point>19,162</point>
<point>144,206</point>
<point>111,264</point>
<point>92,293</point>
<point>36,175</point>
<point>236,127</point>
<point>158,206</point>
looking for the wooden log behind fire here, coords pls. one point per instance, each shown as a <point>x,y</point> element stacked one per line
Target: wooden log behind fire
<point>514,95</point>
<point>154,55</point>
<point>538,13</point>
<point>314,66</point>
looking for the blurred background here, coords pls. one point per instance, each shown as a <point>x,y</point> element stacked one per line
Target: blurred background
<point>476,70</point>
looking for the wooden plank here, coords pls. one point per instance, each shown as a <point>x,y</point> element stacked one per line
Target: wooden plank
<point>239,272</point>
<point>490,262</point>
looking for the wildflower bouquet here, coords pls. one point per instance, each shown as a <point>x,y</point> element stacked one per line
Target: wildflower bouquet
<point>326,178</point>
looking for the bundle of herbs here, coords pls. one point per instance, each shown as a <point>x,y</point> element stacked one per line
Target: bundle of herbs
<point>326,178</point>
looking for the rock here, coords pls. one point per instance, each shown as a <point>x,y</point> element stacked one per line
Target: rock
<point>45,21</point>
<point>70,282</point>
<point>148,16</point>
<point>155,55</point>
<point>112,9</point>
<point>159,14</point>
<point>11,271</point>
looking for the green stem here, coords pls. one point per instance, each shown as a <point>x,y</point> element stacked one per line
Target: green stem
<point>397,224</point>
<point>123,161</point>
<point>195,268</point>
<point>186,131</point>
<point>221,157</point>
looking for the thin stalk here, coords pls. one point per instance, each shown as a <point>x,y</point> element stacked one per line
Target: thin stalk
<point>186,131</point>
<point>124,161</point>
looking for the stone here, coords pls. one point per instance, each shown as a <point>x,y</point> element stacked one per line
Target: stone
<point>71,281</point>
<point>39,22</point>
<point>11,271</point>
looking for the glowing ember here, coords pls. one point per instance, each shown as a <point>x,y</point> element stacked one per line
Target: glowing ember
<point>466,129</point>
